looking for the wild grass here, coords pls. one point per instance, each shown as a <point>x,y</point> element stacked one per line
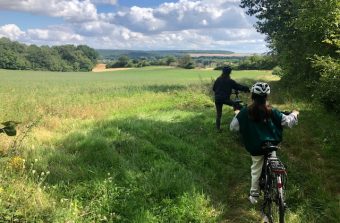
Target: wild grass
<point>140,146</point>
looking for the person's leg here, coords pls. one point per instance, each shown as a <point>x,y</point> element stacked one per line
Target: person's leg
<point>256,169</point>
<point>219,107</point>
<point>236,106</point>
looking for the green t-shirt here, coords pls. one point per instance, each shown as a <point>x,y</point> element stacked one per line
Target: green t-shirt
<point>254,134</point>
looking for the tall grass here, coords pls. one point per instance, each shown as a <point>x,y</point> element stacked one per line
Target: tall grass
<point>140,146</point>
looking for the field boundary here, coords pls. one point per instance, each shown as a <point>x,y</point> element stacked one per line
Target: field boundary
<point>102,68</point>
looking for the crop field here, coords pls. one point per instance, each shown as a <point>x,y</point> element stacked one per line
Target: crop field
<point>139,145</point>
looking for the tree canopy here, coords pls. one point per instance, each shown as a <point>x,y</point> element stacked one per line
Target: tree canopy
<point>305,35</point>
<point>18,56</point>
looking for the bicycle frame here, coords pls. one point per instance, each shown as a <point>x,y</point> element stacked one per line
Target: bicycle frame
<point>237,101</point>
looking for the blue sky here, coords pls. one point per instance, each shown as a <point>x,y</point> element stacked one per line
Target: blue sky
<point>132,24</point>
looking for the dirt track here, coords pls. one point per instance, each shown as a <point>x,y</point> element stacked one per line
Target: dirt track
<point>102,68</point>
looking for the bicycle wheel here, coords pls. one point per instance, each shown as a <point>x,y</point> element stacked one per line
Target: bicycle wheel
<point>281,210</point>
<point>277,197</point>
<point>267,190</point>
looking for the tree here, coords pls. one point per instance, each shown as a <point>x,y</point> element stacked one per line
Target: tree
<point>170,60</point>
<point>186,62</point>
<point>90,53</point>
<point>123,61</point>
<point>305,35</point>
<point>14,55</point>
<point>11,55</point>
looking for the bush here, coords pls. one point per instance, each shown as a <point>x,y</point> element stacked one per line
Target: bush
<point>220,66</point>
<point>186,62</point>
<point>327,90</point>
<point>277,71</point>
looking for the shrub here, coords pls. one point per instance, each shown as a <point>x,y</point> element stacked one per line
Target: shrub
<point>327,90</point>
<point>277,71</point>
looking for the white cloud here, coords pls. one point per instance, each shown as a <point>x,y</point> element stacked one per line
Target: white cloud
<point>70,10</point>
<point>123,38</point>
<point>139,19</point>
<point>11,31</point>
<point>108,2</point>
<point>53,35</point>
<point>185,14</point>
<point>49,36</point>
<point>185,24</point>
<point>231,34</point>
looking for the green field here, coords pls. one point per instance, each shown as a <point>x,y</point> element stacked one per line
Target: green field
<point>140,146</point>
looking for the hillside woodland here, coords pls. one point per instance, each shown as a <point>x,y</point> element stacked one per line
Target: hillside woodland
<point>18,56</point>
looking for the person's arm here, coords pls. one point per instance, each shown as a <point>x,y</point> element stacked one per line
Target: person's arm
<point>240,87</point>
<point>235,125</point>
<point>290,120</point>
<point>214,86</point>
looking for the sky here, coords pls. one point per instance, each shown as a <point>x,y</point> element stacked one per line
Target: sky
<point>132,24</point>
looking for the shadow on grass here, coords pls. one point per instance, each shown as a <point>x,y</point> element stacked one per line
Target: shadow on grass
<point>173,167</point>
<point>151,163</point>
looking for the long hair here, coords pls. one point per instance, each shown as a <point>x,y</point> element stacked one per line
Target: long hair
<point>259,111</point>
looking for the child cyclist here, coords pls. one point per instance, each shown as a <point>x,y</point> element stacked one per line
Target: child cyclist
<point>259,123</point>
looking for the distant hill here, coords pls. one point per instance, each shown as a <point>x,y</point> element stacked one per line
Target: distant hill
<point>113,54</point>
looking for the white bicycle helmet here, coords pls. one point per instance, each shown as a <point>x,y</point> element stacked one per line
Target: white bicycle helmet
<point>260,88</point>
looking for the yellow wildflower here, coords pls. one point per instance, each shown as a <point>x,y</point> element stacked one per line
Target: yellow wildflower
<point>17,163</point>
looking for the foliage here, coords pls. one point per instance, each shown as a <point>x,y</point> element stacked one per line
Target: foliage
<point>125,61</point>
<point>135,54</point>
<point>328,91</point>
<point>17,56</point>
<point>257,62</point>
<point>186,62</point>
<point>298,32</point>
<point>277,71</point>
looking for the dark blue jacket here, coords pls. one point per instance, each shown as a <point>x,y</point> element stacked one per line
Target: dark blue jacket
<point>223,87</point>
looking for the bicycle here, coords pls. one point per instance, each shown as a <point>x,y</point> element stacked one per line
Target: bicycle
<point>237,102</point>
<point>272,183</point>
<point>273,177</point>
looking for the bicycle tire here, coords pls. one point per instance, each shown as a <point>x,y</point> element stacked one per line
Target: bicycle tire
<point>277,204</point>
<point>267,206</point>
<point>281,210</point>
<point>280,201</point>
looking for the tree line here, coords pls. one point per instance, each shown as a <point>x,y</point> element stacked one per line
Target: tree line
<point>185,61</point>
<point>255,62</point>
<point>18,56</point>
<point>305,36</point>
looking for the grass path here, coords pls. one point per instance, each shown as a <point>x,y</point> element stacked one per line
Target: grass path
<point>106,151</point>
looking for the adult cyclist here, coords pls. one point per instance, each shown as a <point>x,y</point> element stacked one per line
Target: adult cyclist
<point>222,88</point>
<point>259,123</point>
